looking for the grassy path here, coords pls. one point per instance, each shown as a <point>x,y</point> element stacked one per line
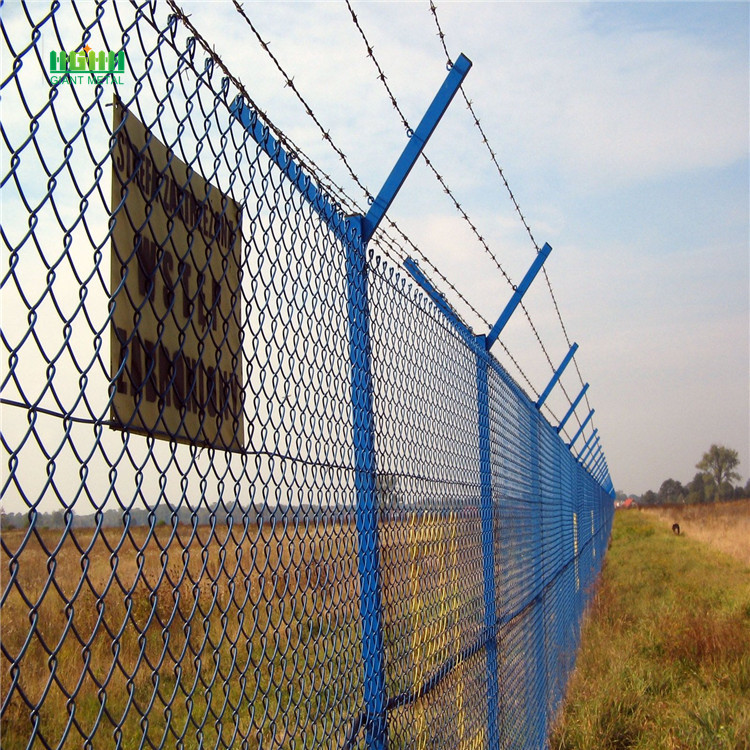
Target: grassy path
<point>665,657</point>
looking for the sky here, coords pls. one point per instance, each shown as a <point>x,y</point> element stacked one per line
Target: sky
<point>622,129</point>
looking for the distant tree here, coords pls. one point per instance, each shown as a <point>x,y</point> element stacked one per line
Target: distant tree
<point>726,491</point>
<point>649,498</point>
<point>719,463</point>
<point>5,521</point>
<point>696,489</point>
<point>671,491</point>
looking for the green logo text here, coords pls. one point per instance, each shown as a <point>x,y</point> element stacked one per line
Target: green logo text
<point>86,66</point>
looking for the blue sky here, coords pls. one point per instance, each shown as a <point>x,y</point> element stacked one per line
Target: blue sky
<point>623,131</point>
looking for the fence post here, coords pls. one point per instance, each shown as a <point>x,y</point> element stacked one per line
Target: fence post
<point>581,428</point>
<point>488,540</point>
<point>556,376</point>
<point>371,607</point>
<point>573,406</point>
<point>537,502</point>
<point>588,447</point>
<point>515,300</point>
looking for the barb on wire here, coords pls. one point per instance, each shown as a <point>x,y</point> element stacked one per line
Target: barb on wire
<point>441,180</point>
<point>288,144</point>
<point>339,191</point>
<point>514,201</point>
<point>289,81</point>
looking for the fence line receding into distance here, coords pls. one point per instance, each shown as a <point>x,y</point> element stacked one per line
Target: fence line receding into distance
<point>261,486</point>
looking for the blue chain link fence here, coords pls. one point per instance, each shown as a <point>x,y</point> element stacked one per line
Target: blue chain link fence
<point>259,490</point>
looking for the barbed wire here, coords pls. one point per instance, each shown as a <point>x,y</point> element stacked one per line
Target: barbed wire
<point>441,180</point>
<point>386,242</point>
<point>514,201</point>
<point>289,82</point>
<point>295,151</point>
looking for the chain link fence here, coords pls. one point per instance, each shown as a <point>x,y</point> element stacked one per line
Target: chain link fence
<point>258,491</point>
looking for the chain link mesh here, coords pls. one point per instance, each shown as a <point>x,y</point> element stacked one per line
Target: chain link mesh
<point>184,549</point>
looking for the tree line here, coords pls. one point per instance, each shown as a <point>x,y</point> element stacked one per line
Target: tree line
<point>716,479</point>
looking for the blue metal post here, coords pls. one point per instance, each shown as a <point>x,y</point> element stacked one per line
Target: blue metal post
<point>573,406</point>
<point>485,501</point>
<point>583,454</point>
<point>594,463</point>
<point>488,541</point>
<point>599,465</point>
<point>595,468</point>
<point>596,454</point>
<point>593,456</point>
<point>581,428</point>
<point>537,614</point>
<point>556,376</point>
<point>414,147</point>
<point>371,608</point>
<point>522,288</point>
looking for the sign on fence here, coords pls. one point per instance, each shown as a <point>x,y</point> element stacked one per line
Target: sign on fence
<point>176,353</point>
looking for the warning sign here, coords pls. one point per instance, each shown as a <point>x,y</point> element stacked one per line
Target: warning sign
<point>176,300</point>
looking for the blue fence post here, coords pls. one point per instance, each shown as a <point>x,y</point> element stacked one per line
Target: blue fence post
<point>371,606</point>
<point>593,459</point>
<point>414,147</point>
<point>537,613</point>
<point>488,541</point>
<point>581,428</point>
<point>558,373</point>
<point>597,467</point>
<point>515,300</point>
<point>573,406</point>
<point>588,447</point>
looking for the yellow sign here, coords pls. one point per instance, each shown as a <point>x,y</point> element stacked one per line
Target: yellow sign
<point>176,299</point>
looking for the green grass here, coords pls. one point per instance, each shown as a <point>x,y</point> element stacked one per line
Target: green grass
<point>665,656</point>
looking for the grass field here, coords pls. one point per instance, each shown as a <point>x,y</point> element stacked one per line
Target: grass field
<point>725,526</point>
<point>665,657</point>
<point>198,637</point>
<point>199,630</point>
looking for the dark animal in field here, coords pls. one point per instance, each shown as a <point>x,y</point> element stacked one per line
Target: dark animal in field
<point>676,528</point>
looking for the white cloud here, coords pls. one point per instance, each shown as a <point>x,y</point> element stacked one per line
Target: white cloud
<point>628,105</point>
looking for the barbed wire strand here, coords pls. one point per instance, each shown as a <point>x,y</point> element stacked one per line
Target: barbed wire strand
<point>289,82</point>
<point>386,241</point>
<point>514,201</point>
<point>295,151</point>
<point>441,180</point>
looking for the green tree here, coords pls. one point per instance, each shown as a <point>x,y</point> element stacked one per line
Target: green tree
<point>719,464</point>
<point>671,491</point>
<point>650,498</point>
<point>697,489</point>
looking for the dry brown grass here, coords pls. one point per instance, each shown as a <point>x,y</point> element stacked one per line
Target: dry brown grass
<point>724,526</point>
<point>196,622</point>
<point>183,636</point>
